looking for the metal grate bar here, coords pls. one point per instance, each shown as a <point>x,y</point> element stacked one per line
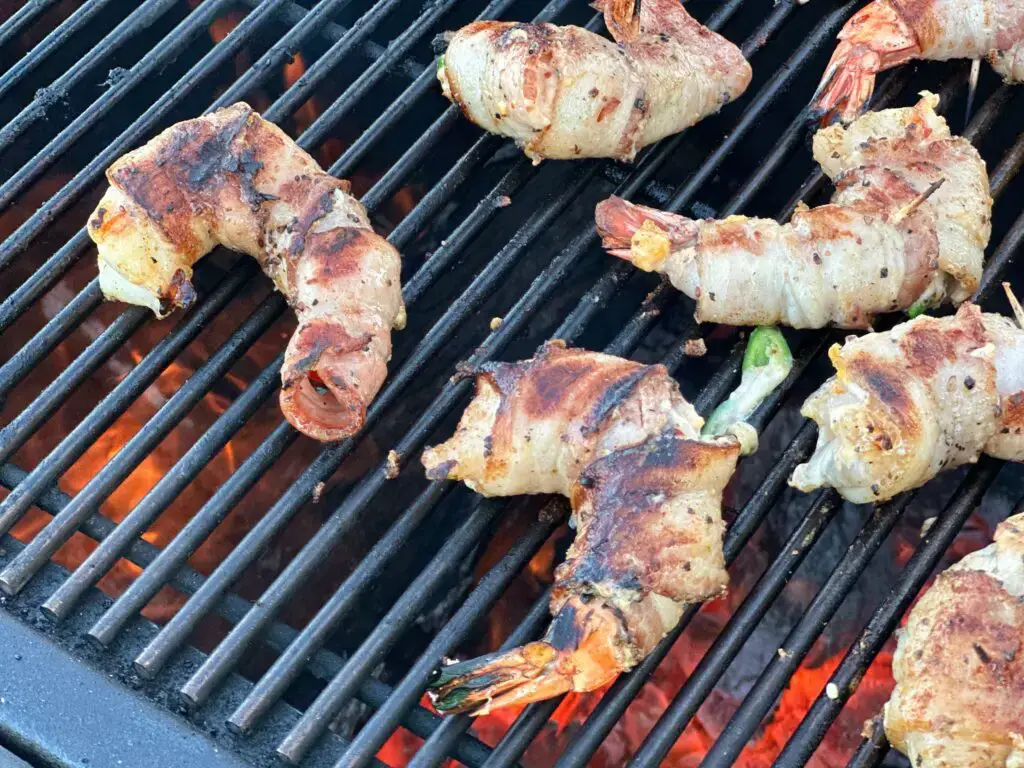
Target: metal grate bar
<point>863,651</point>
<point>71,448</point>
<point>59,529</point>
<point>873,749</point>
<point>56,39</point>
<point>158,498</point>
<point>294,97</point>
<point>292,13</point>
<point>773,680</point>
<point>48,337</point>
<point>360,664</point>
<point>290,663</point>
<point>487,591</point>
<point>15,243</point>
<point>419,721</point>
<point>187,541</point>
<point>21,18</point>
<point>142,17</point>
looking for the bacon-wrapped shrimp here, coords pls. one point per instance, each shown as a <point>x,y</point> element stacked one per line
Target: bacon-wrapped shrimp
<point>646,488</point>
<point>887,33</point>
<point>232,178</point>
<point>929,395</point>
<point>565,92</point>
<point>959,663</point>
<point>906,229</point>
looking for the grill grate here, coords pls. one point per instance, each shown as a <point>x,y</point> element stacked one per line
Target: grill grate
<point>347,43</point>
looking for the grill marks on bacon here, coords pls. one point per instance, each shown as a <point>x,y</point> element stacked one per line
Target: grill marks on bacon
<point>563,92</point>
<point>929,395</point>
<point>231,178</point>
<point>889,239</point>
<point>620,441</point>
<point>959,663</point>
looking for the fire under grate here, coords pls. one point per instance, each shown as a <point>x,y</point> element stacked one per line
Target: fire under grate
<point>265,598</point>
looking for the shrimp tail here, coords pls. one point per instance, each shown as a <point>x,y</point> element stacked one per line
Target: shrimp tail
<point>875,39</point>
<point>582,651</point>
<point>644,236</point>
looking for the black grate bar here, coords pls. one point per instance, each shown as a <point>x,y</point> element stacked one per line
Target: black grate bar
<point>360,664</point>
<point>292,13</point>
<point>50,538</point>
<point>396,49</point>
<point>21,18</point>
<point>521,733</point>
<point>763,695</point>
<point>63,323</point>
<point>140,18</point>
<point>41,279</point>
<point>56,39</point>
<point>873,749</point>
<point>720,655</point>
<point>176,553</point>
<point>488,590</point>
<point>71,448</point>
<point>14,434</point>
<point>290,663</point>
<point>437,748</point>
<point>419,721</point>
<point>160,496</point>
<point>863,651</point>
<point>295,96</point>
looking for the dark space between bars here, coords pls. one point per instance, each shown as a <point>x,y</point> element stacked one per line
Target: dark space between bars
<point>396,705</point>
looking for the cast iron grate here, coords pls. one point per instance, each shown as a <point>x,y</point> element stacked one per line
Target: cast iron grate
<point>380,54</point>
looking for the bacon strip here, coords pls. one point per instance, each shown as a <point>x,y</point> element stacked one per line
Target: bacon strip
<point>563,92</point>
<point>231,178</point>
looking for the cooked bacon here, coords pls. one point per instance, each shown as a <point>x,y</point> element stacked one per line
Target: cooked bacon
<point>565,92</point>
<point>929,395</point>
<point>907,228</point>
<point>959,663</point>
<point>888,33</point>
<point>618,438</point>
<point>232,178</point>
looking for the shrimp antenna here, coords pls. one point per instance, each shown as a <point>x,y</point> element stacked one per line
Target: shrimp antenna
<point>1018,311</point>
<point>972,88</point>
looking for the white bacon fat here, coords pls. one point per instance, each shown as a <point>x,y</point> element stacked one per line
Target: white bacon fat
<point>906,228</point>
<point>231,178</point>
<point>929,395</point>
<point>959,663</point>
<point>563,92</point>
